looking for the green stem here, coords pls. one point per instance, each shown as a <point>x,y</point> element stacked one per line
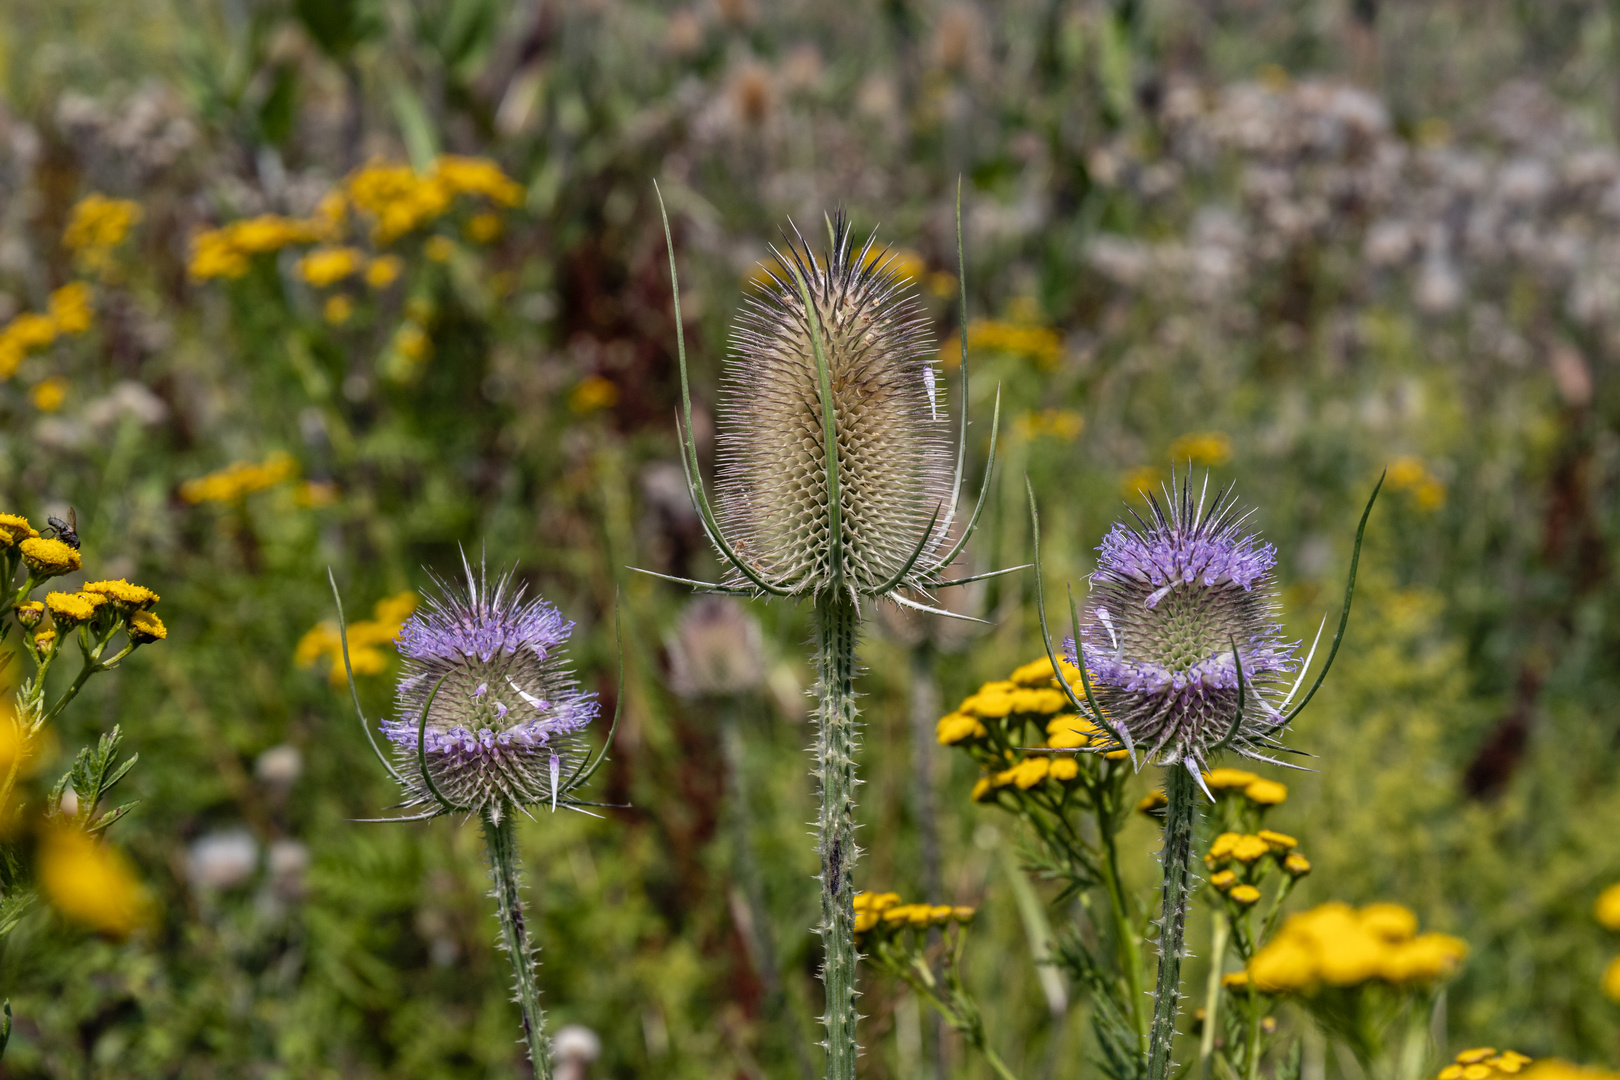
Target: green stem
<point>836,740</point>
<point>1212,994</point>
<point>1179,816</point>
<point>1130,945</point>
<point>504,871</point>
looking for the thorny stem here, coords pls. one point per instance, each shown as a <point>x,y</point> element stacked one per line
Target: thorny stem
<point>500,839</point>
<point>1212,995</point>
<point>836,739</point>
<point>1180,813</point>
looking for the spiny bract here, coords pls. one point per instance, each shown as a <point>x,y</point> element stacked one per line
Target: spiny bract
<point>498,727</point>
<point>892,438</point>
<point>1169,602</point>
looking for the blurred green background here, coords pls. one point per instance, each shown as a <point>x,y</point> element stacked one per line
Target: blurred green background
<point>1295,241</point>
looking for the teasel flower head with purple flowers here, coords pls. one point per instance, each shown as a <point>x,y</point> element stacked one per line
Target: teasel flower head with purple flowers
<point>488,711</point>
<point>1181,634</point>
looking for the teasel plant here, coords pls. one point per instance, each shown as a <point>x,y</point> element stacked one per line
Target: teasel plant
<point>490,722</point>
<point>1181,658</point>
<point>835,485</point>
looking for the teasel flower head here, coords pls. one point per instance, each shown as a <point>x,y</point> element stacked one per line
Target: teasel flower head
<point>488,711</point>
<point>717,650</point>
<point>1180,631</point>
<point>834,459</point>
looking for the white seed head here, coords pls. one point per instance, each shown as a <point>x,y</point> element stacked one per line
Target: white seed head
<point>891,432</point>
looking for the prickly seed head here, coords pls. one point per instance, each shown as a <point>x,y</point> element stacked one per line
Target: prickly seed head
<point>891,433</point>
<point>1169,600</point>
<point>499,726</point>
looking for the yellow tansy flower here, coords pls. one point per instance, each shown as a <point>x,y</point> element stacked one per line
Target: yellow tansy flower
<point>90,882</point>
<point>49,558</point>
<point>145,628</point>
<point>70,609</point>
<point>1266,792</point>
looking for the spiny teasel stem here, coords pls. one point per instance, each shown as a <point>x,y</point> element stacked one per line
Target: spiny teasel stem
<point>501,841</point>
<point>836,738</point>
<point>1180,815</point>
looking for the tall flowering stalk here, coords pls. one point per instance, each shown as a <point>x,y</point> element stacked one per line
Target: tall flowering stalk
<point>490,721</point>
<point>1181,656</point>
<point>835,484</point>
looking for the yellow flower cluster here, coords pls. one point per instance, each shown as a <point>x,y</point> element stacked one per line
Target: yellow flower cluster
<point>69,315</point>
<point>227,252</point>
<point>1607,912</point>
<point>96,227</point>
<point>1038,343</point>
<point>1202,448</point>
<point>365,640</point>
<point>1065,425</point>
<point>105,606</point>
<point>1339,946</point>
<point>90,882</point>
<point>1411,475</point>
<point>1140,480</point>
<point>1484,1063</point>
<point>885,912</point>
<point>325,266</point>
<point>1257,790</point>
<point>1554,1069</point>
<point>400,200</point>
<point>233,482</point>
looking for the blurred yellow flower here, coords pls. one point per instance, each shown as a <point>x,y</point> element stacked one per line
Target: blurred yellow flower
<point>49,395</point>
<point>1141,480</point>
<point>1410,475</point>
<point>1038,343</point>
<point>226,252</point>
<point>96,226</point>
<point>400,200</point>
<point>90,882</point>
<point>1245,895</point>
<point>366,639</point>
<point>1607,909</point>
<point>1202,448</point>
<point>384,270</point>
<point>1266,792</point>
<point>337,310</point>
<point>592,394</point>
<point>1336,945</point>
<point>70,308</point>
<point>439,248</point>
<point>956,728</point>
<point>1228,779</point>
<point>483,228</point>
<point>1064,425</point>
<point>235,481</point>
<point>412,341</point>
<point>329,265</point>
<point>1611,978</point>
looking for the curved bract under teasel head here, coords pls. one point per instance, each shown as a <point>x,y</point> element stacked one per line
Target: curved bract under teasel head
<point>1182,610</point>
<point>488,709</point>
<point>892,480</point>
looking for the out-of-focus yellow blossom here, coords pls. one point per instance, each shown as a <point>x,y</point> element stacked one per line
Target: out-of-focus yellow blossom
<point>439,249</point>
<point>28,332</point>
<point>338,309</point>
<point>90,882</point>
<point>226,252</point>
<point>477,176</point>
<point>145,628</point>
<point>48,396</point>
<point>884,910</point>
<point>1064,425</point>
<point>1223,880</point>
<point>1611,980</point>
<point>315,493</point>
<point>1280,843</point>
<point>384,270</point>
<point>366,639</point>
<point>1484,1063</point>
<point>1297,864</point>
<point>96,226</point>
<point>330,215</point>
<point>1069,733</point>
<point>14,749</point>
<point>1607,909</point>
<point>412,341</point>
<point>1245,895</point>
<point>482,228</point>
<point>1266,792</point>
<point>235,481</point>
<point>1410,475</point>
<point>70,308</point>
<point>401,200</point>
<point>1202,448</point>
<point>982,789</point>
<point>1027,773</point>
<point>329,265</point>
<point>1141,480</point>
<point>1336,945</point>
<point>1063,769</point>
<point>1038,343</point>
<point>1236,980</point>
<point>593,394</point>
<point>1153,803</point>
<point>1250,849</point>
<point>1038,673</point>
<point>48,558</point>
<point>1554,1069</point>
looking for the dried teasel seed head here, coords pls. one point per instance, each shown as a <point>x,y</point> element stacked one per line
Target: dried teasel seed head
<point>890,432</point>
